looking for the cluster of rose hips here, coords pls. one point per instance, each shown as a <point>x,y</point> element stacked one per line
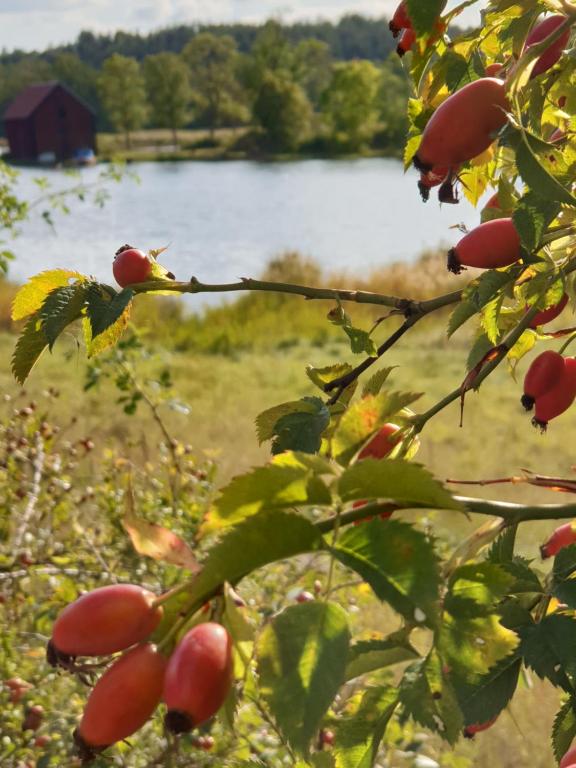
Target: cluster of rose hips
<point>550,385</point>
<point>194,681</point>
<point>467,122</point>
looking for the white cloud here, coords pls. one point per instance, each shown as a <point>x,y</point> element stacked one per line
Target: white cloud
<point>36,24</point>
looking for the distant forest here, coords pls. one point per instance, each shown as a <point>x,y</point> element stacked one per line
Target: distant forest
<point>353,37</point>
<point>320,86</point>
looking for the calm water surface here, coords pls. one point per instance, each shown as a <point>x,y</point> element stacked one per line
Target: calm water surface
<point>226,220</point>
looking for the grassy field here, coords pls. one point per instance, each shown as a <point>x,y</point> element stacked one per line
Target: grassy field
<point>158,144</point>
<point>269,341</point>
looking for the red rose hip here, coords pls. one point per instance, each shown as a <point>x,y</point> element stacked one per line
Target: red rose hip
<point>552,54</point>
<point>464,125</point>
<point>122,700</point>
<point>562,537</point>
<point>104,621</point>
<point>547,315</point>
<point>492,245</point>
<point>131,266</point>
<point>198,678</point>
<point>559,398</point>
<point>544,373</point>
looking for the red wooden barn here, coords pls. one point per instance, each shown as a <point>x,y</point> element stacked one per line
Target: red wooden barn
<point>48,122</point>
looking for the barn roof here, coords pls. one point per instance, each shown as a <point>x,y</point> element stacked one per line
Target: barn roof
<point>28,100</point>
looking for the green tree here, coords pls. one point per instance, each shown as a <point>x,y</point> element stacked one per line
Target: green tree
<point>392,100</point>
<point>70,70</point>
<point>213,64</point>
<point>123,93</point>
<point>168,89</point>
<point>283,111</point>
<point>312,68</point>
<point>271,53</point>
<point>350,103</point>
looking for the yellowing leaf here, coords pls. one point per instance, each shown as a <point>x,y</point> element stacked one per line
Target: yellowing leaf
<point>155,541</point>
<point>31,296</point>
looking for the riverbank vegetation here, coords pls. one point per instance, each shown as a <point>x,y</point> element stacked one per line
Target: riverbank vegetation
<point>307,89</point>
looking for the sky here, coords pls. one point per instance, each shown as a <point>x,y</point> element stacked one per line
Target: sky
<point>38,24</point>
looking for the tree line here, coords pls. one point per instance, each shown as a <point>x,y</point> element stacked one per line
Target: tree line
<point>293,92</point>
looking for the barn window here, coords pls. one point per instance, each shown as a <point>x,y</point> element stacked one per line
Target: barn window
<point>62,113</point>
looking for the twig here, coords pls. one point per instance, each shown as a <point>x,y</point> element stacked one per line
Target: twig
<point>33,495</point>
<point>413,312</point>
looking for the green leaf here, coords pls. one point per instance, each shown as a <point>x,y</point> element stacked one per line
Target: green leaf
<point>549,649</point>
<point>427,696</point>
<point>302,431</point>
<point>62,307</point>
<point>30,345</point>
<point>267,420</point>
<point>538,179</point>
<point>360,341</point>
<point>502,550</point>
<point>108,313</point>
<point>375,383</point>
<point>531,217</point>
<point>32,295</point>
<point>104,308</point>
<point>363,419</point>
<point>398,562</point>
<point>358,736</point>
<point>472,638</point>
<point>302,656</point>
<point>235,619</point>
<point>486,697</point>
<point>472,646</point>
<point>564,564</point>
<point>407,483</point>
<point>370,655</point>
<point>251,544</point>
<point>476,589</point>
<point>287,481</point>
<point>463,312</point>
<point>424,15</point>
<point>478,294</point>
<point>322,376</point>
<point>490,318</point>
<point>455,70</point>
<point>564,572</point>
<point>523,346</point>
<point>564,729</point>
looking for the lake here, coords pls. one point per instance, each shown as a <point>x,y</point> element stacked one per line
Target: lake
<point>225,220</point>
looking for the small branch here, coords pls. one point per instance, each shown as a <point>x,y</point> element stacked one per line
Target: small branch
<point>38,467</point>
<point>341,384</point>
<point>510,512</point>
<point>503,349</point>
<point>413,312</point>
<point>407,306</point>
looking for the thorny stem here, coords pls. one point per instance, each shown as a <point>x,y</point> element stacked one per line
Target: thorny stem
<point>413,312</point>
<point>511,513</point>
<point>420,421</point>
<point>506,345</point>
